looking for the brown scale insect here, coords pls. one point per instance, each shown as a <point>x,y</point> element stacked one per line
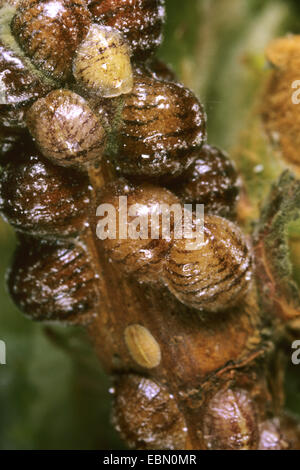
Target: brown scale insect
<point>230,422</point>
<point>66,129</point>
<point>53,281</point>
<point>39,26</point>
<point>42,199</point>
<point>102,64</point>
<point>157,425</point>
<point>163,129</point>
<point>142,346</point>
<point>20,82</point>
<point>140,21</point>
<point>145,255</point>
<point>217,274</point>
<point>212,181</point>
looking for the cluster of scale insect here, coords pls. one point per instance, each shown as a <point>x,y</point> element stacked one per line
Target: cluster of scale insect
<point>82,91</point>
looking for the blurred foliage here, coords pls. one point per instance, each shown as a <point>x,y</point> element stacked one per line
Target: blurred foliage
<point>53,393</point>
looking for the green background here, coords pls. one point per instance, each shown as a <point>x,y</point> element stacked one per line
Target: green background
<point>53,393</point>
